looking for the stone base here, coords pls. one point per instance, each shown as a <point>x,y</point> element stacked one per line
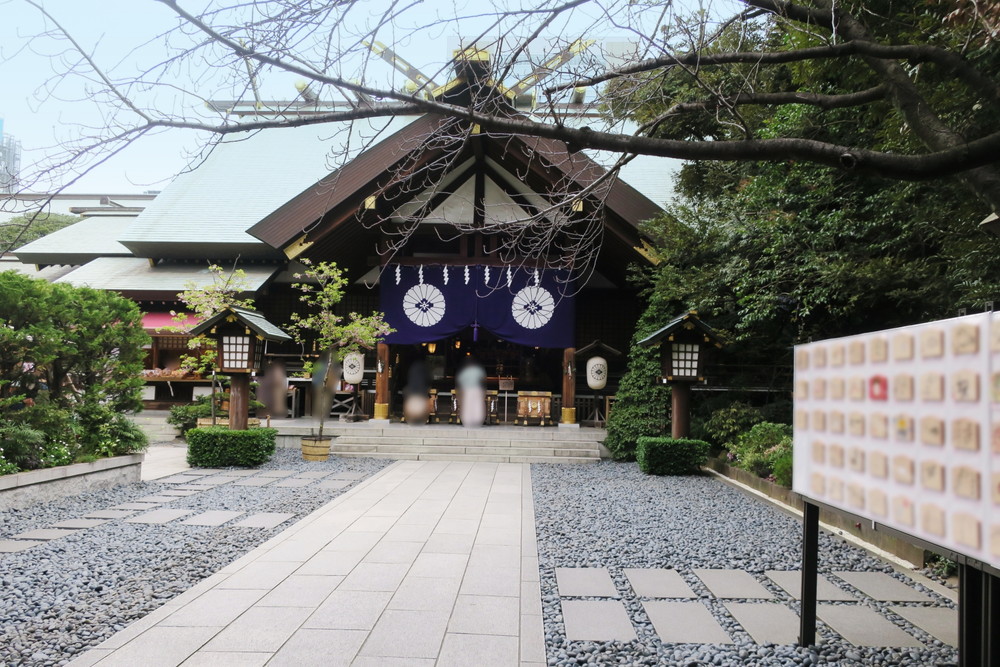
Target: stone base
<point>28,488</point>
<point>565,425</point>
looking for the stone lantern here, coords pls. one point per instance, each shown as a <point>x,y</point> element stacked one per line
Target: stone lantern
<point>684,345</point>
<point>239,335</point>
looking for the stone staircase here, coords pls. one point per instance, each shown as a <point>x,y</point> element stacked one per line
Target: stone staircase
<point>154,425</point>
<point>499,444</point>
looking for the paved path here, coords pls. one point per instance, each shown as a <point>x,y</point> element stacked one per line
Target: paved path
<point>425,563</point>
<point>164,459</point>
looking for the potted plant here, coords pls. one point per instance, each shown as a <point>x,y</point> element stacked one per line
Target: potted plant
<point>338,339</point>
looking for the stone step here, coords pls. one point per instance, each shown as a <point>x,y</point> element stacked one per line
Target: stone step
<point>410,433</point>
<point>468,457</point>
<point>352,439</point>
<point>386,448</point>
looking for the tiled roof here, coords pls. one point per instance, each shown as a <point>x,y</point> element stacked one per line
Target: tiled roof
<point>79,243</point>
<point>134,274</point>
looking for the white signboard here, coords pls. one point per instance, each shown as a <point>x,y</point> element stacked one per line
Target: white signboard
<point>903,427</point>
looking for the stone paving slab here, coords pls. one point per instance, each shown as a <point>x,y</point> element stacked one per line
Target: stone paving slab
<point>349,610</point>
<point>685,623</point>
<point>109,514</point>
<point>293,482</point>
<point>733,584</point>
<point>330,648</point>
<point>406,634</point>
<point>177,479</point>
<point>44,534</point>
<point>157,498</point>
<point>255,481</point>
<point>136,506</point>
<point>159,516</point>
<point>939,622</point>
<point>312,474</point>
<point>491,651</point>
<point>79,524</point>
<point>264,520</point>
<point>195,487</point>
<point>177,493</point>
<point>212,480</point>
<point>585,582</point>
<point>658,583</point>
<point>13,546</point>
<point>212,518</point>
<point>348,475</point>
<point>862,626</point>
<point>204,471</point>
<point>791,582</point>
<point>883,587</point>
<point>334,484</point>
<point>277,473</point>
<point>766,622</point>
<point>597,620</point>
<point>242,473</point>
<point>485,615</point>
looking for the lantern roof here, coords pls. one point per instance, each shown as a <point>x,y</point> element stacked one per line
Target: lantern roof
<point>597,347</point>
<point>252,319</point>
<point>688,322</point>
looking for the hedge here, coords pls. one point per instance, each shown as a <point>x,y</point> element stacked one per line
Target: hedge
<point>667,456</point>
<point>217,446</point>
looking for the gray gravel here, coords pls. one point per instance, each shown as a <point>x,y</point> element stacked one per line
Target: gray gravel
<point>67,595</point>
<point>611,515</point>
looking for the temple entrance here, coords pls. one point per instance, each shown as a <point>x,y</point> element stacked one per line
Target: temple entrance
<point>509,368</point>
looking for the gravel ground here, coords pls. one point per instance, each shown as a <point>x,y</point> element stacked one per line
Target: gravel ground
<point>64,596</point>
<point>611,515</point>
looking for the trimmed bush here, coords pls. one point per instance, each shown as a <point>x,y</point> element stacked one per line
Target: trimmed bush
<point>669,456</point>
<point>217,446</point>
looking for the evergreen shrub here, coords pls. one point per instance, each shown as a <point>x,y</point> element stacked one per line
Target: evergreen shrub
<point>671,456</point>
<point>760,450</point>
<point>217,446</point>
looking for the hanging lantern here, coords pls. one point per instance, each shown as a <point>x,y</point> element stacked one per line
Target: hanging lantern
<point>354,367</point>
<point>597,373</point>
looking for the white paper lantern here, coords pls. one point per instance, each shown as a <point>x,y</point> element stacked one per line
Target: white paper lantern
<point>597,372</point>
<point>354,368</point>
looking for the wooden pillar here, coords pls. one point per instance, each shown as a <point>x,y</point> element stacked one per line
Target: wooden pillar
<point>680,416</point>
<point>239,401</point>
<point>382,381</point>
<point>569,386</point>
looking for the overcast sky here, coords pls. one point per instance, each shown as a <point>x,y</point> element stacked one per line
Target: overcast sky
<point>115,30</point>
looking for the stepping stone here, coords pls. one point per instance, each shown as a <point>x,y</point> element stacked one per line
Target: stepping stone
<point>312,474</point>
<point>277,473</point>
<point>157,498</point>
<point>864,627</point>
<point>264,520</point>
<point>729,584</point>
<point>658,583</point>
<point>585,582</point>
<point>596,620</point>
<point>216,480</point>
<point>159,516</point>
<point>766,622</point>
<point>333,484</point>
<point>241,473</point>
<point>685,623</point>
<point>939,622</point>
<point>13,546</point>
<point>78,524</point>
<point>883,587</point>
<point>293,483</point>
<point>178,493</point>
<point>177,479</point>
<point>254,481</point>
<point>348,475</point>
<point>204,471</point>
<point>212,518</point>
<point>109,514</point>
<point>43,534</point>
<point>136,506</point>
<point>791,582</point>
<point>195,487</point>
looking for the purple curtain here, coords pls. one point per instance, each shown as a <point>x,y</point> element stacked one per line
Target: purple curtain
<point>523,306</point>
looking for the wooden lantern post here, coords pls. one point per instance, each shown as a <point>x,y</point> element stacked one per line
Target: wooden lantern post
<point>239,335</point>
<point>684,344</point>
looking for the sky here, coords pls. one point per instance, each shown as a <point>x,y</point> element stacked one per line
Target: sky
<point>41,108</point>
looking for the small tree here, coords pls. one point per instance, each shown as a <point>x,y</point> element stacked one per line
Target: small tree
<point>330,332</point>
<point>204,302</point>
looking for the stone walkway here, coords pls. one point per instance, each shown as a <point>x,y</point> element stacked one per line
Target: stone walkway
<point>435,563</point>
<point>425,563</point>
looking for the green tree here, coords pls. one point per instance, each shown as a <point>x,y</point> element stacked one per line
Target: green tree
<point>23,229</point>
